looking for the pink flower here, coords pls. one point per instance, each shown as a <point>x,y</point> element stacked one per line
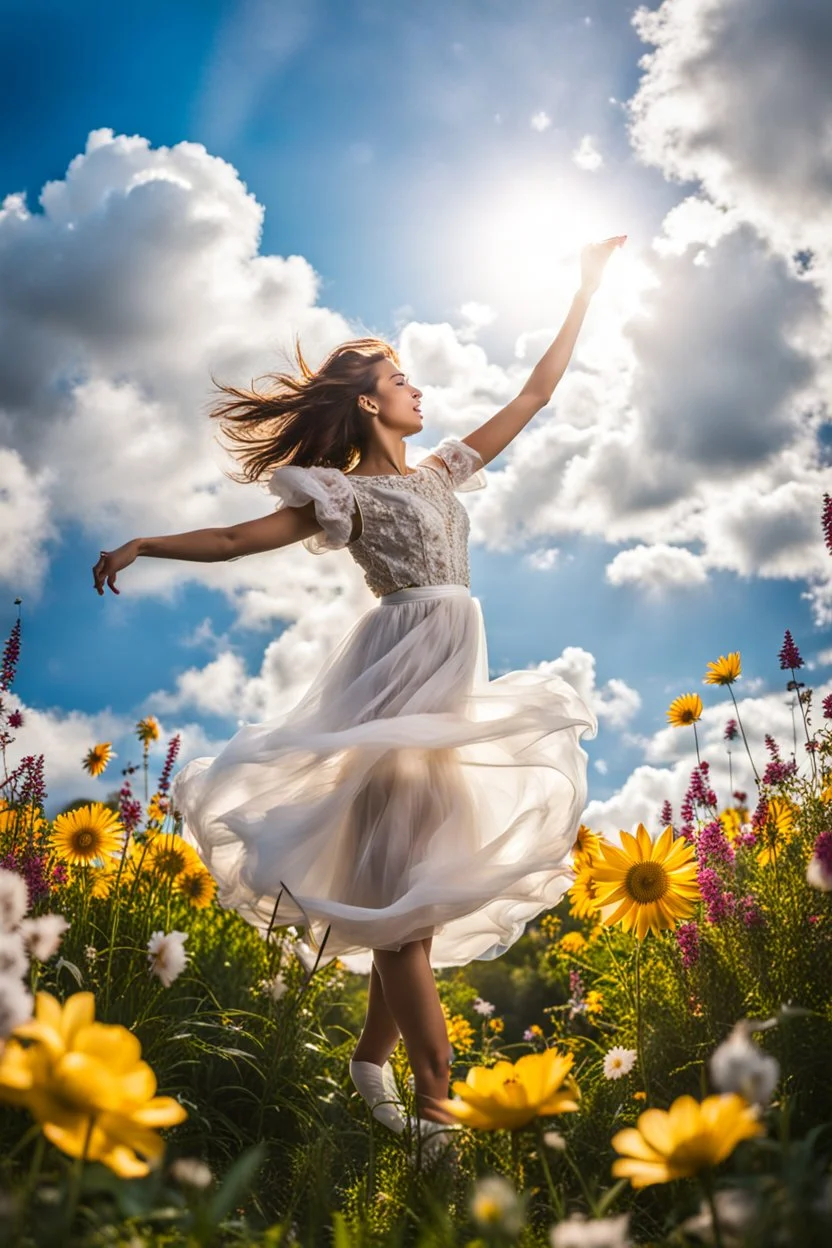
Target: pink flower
<point>827,706</point>
<point>789,654</point>
<point>731,731</point>
<point>826,521</point>
<point>687,938</point>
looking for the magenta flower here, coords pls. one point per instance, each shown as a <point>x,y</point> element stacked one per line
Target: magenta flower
<point>666,815</point>
<point>789,654</point>
<point>750,912</point>
<point>731,730</point>
<point>712,845</point>
<point>16,719</point>
<point>827,706</point>
<point>826,522</point>
<point>719,903</point>
<point>11,653</point>
<point>173,749</point>
<point>687,938</point>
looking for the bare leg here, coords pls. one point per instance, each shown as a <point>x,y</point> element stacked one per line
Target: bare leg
<point>380,1033</point>
<point>413,1001</point>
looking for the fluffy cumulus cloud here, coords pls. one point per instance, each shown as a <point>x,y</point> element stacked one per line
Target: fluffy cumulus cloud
<point>656,567</point>
<point>615,703</point>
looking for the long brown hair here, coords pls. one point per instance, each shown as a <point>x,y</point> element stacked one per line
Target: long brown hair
<point>309,419</point>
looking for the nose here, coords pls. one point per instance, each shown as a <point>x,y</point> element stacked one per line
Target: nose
<point>417,394</point>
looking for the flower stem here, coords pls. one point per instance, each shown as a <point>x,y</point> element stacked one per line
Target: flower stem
<point>77,1175</point>
<point>744,738</point>
<point>639,1025</point>
<point>554,1196</point>
<point>707,1188</point>
<point>805,725</point>
<point>696,742</point>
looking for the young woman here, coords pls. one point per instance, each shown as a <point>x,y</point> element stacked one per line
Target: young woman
<point>407,804</point>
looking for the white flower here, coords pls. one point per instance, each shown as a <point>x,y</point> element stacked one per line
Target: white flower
<point>483,1007</point>
<point>555,1141</point>
<point>13,960</point>
<point>274,987</point>
<point>90,953</point>
<point>43,935</point>
<point>818,876</point>
<point>736,1209</point>
<point>496,1206</point>
<point>15,1004</point>
<point>618,1062</point>
<point>577,1232</point>
<point>166,955</point>
<point>191,1172</point>
<point>14,899</point>
<point>739,1065</point>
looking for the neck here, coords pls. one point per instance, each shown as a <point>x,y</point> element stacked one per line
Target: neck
<point>383,457</point>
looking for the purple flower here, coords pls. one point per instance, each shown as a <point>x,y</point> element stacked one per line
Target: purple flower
<point>778,772</point>
<point>719,903</point>
<point>731,730</point>
<point>750,912</point>
<point>173,750</point>
<point>823,851</point>
<point>129,809</point>
<point>16,719</point>
<point>666,815</point>
<point>772,746</point>
<point>712,845</point>
<point>790,655</point>
<point>687,938</point>
<point>740,797</point>
<point>826,521</point>
<point>11,653</point>
<point>827,706</point>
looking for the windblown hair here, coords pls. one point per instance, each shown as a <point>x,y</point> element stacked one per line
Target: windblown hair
<point>309,419</point>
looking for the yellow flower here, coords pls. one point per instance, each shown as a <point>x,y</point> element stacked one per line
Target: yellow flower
<point>594,1002</point>
<point>460,1033</point>
<point>645,885</point>
<point>536,1030</point>
<point>725,671</point>
<point>586,843</point>
<point>550,925</point>
<point>582,893</point>
<point>85,1084</point>
<point>732,819</point>
<point>157,808</point>
<point>639,1096</point>
<point>509,1095</point>
<point>685,709</point>
<point>198,885</point>
<point>169,856</point>
<point>496,1025</point>
<point>679,1142</point>
<point>572,942</point>
<point>147,730</point>
<point>779,829</point>
<point>97,758</point>
<point>88,833</point>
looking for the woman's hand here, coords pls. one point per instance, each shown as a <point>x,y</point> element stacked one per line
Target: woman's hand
<point>594,259</point>
<point>111,562</point>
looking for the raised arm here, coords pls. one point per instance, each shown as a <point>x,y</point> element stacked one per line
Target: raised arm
<point>492,437</point>
<point>270,532</point>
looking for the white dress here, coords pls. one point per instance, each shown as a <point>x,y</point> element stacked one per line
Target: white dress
<point>406,794</point>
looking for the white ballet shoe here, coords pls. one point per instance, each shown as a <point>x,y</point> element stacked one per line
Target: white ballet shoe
<point>369,1079</point>
<point>436,1136</point>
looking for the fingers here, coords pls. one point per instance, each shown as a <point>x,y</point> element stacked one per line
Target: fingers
<point>99,573</point>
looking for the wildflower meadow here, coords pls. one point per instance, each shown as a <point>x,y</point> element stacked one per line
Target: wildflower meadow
<point>648,1065</point>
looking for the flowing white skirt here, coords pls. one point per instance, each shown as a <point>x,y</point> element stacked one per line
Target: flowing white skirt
<point>405,795</point>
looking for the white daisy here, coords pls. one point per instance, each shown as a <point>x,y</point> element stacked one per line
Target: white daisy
<point>495,1206</point>
<point>13,960</point>
<point>14,899</point>
<point>15,1004</point>
<point>739,1065</point>
<point>43,935</point>
<point>618,1062</point>
<point>483,1007</point>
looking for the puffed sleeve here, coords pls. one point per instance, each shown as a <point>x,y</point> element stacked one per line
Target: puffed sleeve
<point>332,495</point>
<point>464,464</point>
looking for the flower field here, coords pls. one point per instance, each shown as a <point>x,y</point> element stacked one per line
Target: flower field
<point>648,1065</point>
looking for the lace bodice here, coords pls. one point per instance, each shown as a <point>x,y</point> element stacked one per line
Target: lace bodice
<point>414,530</point>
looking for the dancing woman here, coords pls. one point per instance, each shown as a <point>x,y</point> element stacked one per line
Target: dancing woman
<point>409,812</point>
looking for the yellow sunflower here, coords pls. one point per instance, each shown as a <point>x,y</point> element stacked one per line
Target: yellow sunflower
<point>679,1142</point>
<point>645,885</point>
<point>509,1095</point>
<point>169,856</point>
<point>157,808</point>
<point>88,833</point>
<point>725,670</point>
<point>97,758</point>
<point>685,709</point>
<point>732,819</point>
<point>586,843</point>
<point>778,831</point>
<point>572,942</point>
<point>198,885</point>
<point>147,730</point>
<point>582,893</point>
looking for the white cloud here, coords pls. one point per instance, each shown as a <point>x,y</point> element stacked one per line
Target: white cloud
<point>601,766</point>
<point>656,567</point>
<point>586,155</point>
<point>540,121</point>
<point>543,560</point>
<point>475,316</point>
<point>615,703</point>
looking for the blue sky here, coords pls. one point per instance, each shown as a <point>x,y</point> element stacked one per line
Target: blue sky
<point>419,159</point>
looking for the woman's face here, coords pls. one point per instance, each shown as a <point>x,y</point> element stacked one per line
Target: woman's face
<point>395,401</point>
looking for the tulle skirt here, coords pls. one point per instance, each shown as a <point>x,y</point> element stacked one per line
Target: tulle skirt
<point>406,795</point>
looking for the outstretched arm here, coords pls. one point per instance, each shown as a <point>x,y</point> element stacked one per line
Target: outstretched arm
<point>279,528</point>
<point>492,437</point>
